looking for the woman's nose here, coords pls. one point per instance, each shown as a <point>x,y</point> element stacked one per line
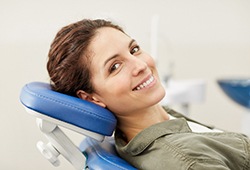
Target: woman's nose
<point>139,66</point>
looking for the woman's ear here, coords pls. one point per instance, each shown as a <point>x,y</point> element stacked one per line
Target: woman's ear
<point>82,95</point>
<point>89,97</point>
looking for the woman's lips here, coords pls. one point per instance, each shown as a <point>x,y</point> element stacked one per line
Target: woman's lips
<point>144,84</point>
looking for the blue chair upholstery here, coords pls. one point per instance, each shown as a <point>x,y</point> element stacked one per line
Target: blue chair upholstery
<point>83,114</point>
<point>103,156</point>
<point>74,113</point>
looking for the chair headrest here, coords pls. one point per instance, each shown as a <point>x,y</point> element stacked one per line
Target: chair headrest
<point>39,97</point>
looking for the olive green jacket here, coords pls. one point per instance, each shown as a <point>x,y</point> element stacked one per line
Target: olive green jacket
<point>171,145</point>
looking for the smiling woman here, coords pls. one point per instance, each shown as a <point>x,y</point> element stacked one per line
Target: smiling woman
<point>118,58</point>
<point>97,61</point>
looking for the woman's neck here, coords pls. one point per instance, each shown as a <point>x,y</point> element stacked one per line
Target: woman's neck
<point>134,123</point>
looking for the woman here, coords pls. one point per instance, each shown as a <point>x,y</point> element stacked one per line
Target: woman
<point>97,61</point>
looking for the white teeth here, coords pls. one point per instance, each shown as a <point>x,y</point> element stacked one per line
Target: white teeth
<point>145,84</point>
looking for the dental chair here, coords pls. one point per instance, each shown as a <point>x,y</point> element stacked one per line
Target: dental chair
<point>54,110</point>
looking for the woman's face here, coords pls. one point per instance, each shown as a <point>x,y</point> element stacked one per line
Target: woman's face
<point>124,77</point>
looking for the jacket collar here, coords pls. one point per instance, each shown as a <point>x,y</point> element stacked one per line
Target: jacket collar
<point>142,140</point>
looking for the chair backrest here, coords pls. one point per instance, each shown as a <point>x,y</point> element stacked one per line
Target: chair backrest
<point>103,156</point>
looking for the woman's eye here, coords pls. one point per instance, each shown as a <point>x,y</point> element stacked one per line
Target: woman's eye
<point>135,49</point>
<point>114,67</point>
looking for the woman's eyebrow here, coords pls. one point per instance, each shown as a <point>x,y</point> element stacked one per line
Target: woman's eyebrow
<point>116,55</point>
<point>110,58</point>
<point>131,42</point>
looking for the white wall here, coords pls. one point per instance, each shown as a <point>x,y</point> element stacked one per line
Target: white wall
<point>204,39</point>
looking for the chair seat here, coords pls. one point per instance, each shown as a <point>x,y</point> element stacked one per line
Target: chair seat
<point>102,155</point>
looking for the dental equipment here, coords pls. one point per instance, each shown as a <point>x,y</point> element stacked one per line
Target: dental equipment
<point>53,109</point>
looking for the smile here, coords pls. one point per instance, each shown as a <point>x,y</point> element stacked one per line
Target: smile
<point>144,84</point>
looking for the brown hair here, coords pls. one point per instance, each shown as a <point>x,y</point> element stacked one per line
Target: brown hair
<point>68,63</point>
